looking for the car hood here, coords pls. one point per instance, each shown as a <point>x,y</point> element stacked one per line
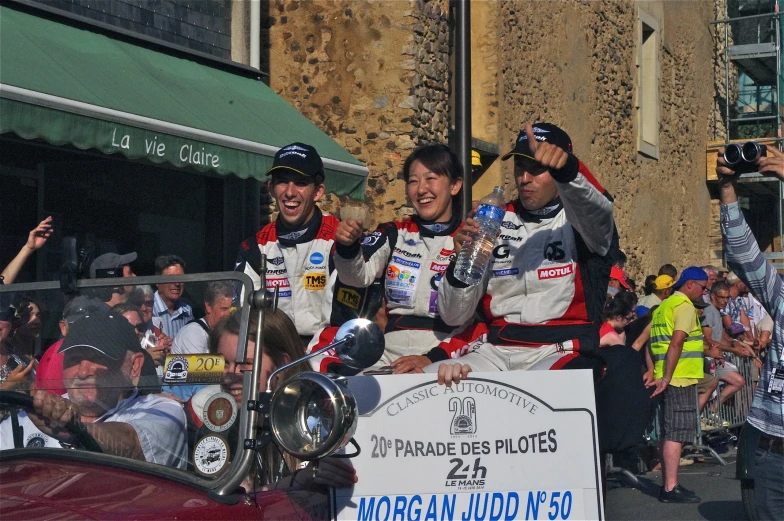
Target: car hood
<point>54,489</point>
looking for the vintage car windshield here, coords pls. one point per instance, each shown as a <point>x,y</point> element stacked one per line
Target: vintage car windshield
<point>132,368</point>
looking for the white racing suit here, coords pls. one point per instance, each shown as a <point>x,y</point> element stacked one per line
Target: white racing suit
<point>298,263</point>
<point>410,256</point>
<point>544,291</point>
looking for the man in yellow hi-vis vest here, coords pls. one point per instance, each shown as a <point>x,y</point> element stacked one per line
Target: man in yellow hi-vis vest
<point>677,351</point>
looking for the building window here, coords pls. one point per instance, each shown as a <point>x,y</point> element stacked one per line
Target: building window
<point>648,85</point>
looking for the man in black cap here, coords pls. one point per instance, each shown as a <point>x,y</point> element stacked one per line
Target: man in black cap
<point>109,266</point>
<point>298,243</point>
<point>544,292</point>
<point>49,374</point>
<point>102,367</point>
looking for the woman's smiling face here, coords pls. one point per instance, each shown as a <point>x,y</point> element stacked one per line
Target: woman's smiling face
<point>430,193</point>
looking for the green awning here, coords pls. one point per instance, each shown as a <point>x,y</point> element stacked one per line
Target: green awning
<point>68,85</point>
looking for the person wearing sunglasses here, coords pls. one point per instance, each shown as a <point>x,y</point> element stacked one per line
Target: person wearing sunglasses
<point>134,317</point>
<point>144,297</point>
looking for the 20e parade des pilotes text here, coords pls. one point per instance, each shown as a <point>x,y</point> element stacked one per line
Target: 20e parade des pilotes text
<point>538,442</point>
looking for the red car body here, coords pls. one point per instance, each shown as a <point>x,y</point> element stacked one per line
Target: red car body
<point>38,486</point>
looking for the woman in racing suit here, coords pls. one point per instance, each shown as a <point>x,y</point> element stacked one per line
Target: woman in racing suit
<point>411,256</point>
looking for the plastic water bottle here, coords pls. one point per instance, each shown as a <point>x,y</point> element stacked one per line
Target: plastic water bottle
<point>472,262</point>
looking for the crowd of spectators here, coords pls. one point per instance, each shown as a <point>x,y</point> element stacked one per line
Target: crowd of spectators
<point>688,332</point>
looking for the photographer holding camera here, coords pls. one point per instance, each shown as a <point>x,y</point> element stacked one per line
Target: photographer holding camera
<point>762,476</point>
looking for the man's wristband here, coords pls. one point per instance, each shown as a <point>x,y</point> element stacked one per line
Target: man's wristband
<point>665,380</point>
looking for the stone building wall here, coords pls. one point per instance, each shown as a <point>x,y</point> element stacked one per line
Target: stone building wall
<point>372,74</point>
<point>575,65</point>
<point>375,76</point>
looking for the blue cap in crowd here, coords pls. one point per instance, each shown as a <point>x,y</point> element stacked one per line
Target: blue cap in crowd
<point>690,273</point>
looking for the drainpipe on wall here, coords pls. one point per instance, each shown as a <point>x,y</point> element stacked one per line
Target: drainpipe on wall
<point>463,96</point>
<point>255,33</point>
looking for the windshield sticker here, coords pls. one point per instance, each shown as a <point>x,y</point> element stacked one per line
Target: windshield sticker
<point>220,411</point>
<point>210,455</point>
<point>193,369</point>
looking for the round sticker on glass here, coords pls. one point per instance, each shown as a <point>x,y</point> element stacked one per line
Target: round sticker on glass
<point>219,412</point>
<point>210,455</point>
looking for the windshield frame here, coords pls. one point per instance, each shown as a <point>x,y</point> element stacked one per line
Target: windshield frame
<point>228,483</point>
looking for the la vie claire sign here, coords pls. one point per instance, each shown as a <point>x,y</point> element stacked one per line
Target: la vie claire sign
<point>159,148</point>
<point>498,446</point>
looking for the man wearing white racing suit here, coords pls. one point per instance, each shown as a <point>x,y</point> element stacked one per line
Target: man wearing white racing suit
<point>298,243</point>
<point>544,291</point>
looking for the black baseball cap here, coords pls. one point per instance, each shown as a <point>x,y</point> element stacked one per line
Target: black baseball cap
<point>299,158</point>
<point>108,333</point>
<point>108,265</point>
<point>546,132</point>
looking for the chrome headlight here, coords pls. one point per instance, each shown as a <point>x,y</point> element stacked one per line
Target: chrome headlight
<point>313,415</point>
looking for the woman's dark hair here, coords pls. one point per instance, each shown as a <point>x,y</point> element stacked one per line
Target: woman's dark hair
<point>21,305</point>
<point>619,306</point>
<point>283,345</point>
<point>440,159</point>
<point>650,285</point>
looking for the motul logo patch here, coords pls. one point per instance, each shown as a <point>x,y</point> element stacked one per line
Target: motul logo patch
<point>283,283</point>
<point>554,273</point>
<point>439,268</point>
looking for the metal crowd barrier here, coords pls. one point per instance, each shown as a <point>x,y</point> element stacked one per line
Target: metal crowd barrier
<point>733,412</point>
<point>722,417</point>
<point>715,417</point>
<point>698,448</point>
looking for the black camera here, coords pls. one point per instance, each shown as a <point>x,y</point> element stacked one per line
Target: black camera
<point>15,361</point>
<point>741,158</point>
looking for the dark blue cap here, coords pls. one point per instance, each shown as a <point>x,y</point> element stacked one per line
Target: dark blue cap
<point>690,273</point>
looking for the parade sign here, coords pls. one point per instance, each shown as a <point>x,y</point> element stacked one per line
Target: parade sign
<point>498,446</point>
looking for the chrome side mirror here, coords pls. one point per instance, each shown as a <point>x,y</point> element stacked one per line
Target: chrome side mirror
<point>367,345</point>
<point>359,343</point>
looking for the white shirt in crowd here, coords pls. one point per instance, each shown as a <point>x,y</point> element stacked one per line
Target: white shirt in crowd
<point>754,309</point>
<point>192,339</point>
<point>170,323</point>
<point>159,423</point>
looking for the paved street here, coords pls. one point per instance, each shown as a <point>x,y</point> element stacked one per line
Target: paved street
<point>715,484</point>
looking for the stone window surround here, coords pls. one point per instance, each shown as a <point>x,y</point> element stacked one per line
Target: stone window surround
<point>648,79</point>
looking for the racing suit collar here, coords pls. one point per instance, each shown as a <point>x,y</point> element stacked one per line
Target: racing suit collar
<point>547,212</point>
<point>435,229</point>
<point>289,237</point>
